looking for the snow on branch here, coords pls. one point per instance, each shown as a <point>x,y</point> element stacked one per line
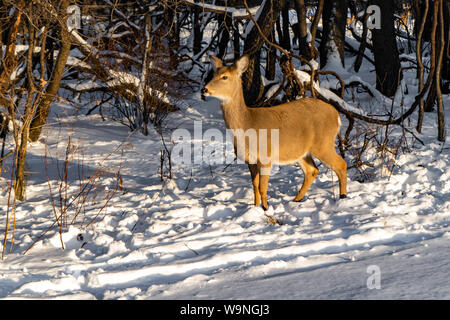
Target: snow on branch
<point>235,12</point>
<point>111,77</point>
<point>326,93</point>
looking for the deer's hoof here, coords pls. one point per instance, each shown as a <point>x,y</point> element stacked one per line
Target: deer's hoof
<point>342,196</point>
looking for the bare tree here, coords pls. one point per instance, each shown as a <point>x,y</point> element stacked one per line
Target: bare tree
<point>303,47</point>
<point>43,109</point>
<point>268,15</point>
<point>387,61</point>
<point>334,19</point>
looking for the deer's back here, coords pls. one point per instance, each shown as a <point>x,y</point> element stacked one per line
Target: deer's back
<point>312,114</point>
<point>304,125</point>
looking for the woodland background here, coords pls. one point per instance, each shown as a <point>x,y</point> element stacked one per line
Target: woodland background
<point>133,61</point>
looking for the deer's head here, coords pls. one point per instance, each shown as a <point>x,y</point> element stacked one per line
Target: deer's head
<point>226,82</point>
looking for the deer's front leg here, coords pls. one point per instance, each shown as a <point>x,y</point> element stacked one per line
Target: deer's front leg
<point>255,181</point>
<point>264,175</point>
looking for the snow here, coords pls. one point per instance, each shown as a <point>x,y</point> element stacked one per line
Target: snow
<point>199,236</point>
<point>256,15</point>
<point>205,239</point>
<point>327,94</point>
<point>235,13</point>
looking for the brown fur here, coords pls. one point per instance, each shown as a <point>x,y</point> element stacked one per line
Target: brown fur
<point>307,128</point>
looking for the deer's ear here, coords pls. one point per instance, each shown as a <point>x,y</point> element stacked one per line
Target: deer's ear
<point>216,62</point>
<point>242,64</point>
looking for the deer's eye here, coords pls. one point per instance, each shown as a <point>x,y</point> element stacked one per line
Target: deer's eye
<point>224,77</point>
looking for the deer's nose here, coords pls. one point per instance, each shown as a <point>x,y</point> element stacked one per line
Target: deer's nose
<point>204,90</point>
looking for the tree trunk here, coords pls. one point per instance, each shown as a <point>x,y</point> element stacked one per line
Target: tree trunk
<point>334,21</point>
<point>420,67</point>
<point>19,185</point>
<point>143,105</point>
<point>9,61</point>
<point>440,105</point>
<point>315,23</point>
<point>362,45</point>
<point>279,32</point>
<point>236,41</point>
<point>419,8</point>
<point>270,62</point>
<point>286,33</point>
<point>43,108</point>
<point>50,47</point>
<point>170,17</point>
<point>22,134</point>
<point>251,79</point>
<point>198,35</point>
<point>446,62</point>
<point>303,47</point>
<point>387,62</point>
<point>431,98</point>
<point>227,24</point>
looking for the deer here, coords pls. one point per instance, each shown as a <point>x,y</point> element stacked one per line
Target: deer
<point>306,128</point>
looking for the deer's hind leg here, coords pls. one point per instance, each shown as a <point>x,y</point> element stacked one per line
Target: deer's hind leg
<point>255,181</point>
<point>310,171</point>
<point>335,162</point>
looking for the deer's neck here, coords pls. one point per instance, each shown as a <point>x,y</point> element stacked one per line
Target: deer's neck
<point>235,112</point>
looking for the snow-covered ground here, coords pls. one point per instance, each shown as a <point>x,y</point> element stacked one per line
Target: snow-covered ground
<point>200,237</point>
